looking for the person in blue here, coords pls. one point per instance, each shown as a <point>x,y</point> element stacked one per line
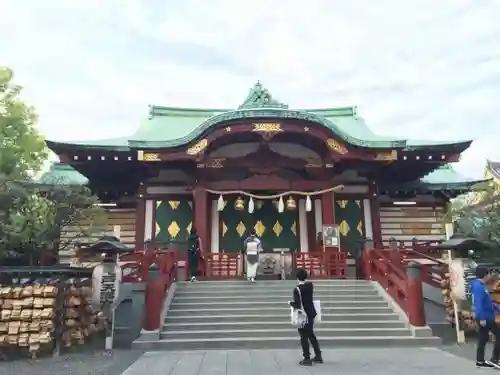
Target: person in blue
<point>484,312</point>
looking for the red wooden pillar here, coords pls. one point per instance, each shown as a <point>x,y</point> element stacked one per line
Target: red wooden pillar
<point>140,217</point>
<point>200,218</point>
<point>375,215</point>
<point>415,296</point>
<point>327,208</point>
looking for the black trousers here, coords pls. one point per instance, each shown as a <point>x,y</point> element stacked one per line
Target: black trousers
<point>307,335</point>
<point>482,339</point>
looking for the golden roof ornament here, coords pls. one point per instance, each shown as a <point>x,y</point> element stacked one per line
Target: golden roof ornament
<point>239,205</point>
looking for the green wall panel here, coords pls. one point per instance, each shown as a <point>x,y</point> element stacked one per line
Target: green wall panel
<point>276,230</point>
<point>349,216</point>
<point>174,219</point>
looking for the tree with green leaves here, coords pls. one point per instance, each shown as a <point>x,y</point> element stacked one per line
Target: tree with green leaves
<point>22,148</point>
<point>35,217</point>
<point>477,215</point>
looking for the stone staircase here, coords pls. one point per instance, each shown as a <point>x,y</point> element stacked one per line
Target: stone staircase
<point>241,315</point>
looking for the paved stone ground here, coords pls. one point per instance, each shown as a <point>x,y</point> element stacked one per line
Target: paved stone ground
<point>429,361</point>
<point>87,363</point>
<point>411,361</point>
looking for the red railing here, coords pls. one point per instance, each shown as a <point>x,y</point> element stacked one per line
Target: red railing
<point>223,265</point>
<point>158,268</point>
<point>388,268</point>
<point>321,264</point>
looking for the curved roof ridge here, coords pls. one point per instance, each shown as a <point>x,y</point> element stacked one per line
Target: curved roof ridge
<point>273,112</point>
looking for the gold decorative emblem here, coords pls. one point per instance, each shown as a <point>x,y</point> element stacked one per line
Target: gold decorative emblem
<point>387,155</point>
<point>360,227</point>
<point>197,148</point>
<point>336,146</point>
<point>173,229</point>
<point>216,163</point>
<point>343,203</point>
<point>224,229</point>
<point>344,228</point>
<point>240,229</point>
<point>267,127</point>
<point>174,204</point>
<point>277,228</point>
<point>294,228</point>
<point>188,228</point>
<point>259,228</point>
<point>314,163</point>
<point>147,156</point>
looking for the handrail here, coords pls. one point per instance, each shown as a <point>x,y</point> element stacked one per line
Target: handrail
<point>386,268</point>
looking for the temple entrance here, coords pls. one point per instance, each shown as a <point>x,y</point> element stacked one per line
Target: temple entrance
<point>276,230</point>
<point>349,215</point>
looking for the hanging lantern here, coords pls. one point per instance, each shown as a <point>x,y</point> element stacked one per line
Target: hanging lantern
<point>259,204</point>
<point>281,205</point>
<point>220,203</point>
<point>308,204</point>
<point>239,205</point>
<point>290,204</point>
<point>250,206</point>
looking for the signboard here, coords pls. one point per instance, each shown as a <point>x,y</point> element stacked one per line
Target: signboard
<point>457,280</point>
<point>106,280</point>
<point>331,235</point>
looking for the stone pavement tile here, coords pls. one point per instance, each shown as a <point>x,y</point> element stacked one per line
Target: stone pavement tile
<point>83,363</point>
<point>384,361</point>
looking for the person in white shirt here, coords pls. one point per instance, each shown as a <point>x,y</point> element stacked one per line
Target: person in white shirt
<point>252,247</point>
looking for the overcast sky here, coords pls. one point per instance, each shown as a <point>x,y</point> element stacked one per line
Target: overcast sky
<point>424,69</point>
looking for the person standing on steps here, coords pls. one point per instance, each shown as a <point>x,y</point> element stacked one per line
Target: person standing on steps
<point>484,312</point>
<point>194,253</point>
<point>303,296</point>
<point>252,246</point>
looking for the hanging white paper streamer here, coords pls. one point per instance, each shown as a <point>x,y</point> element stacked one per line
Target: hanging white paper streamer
<point>281,205</point>
<point>220,203</point>
<point>308,204</point>
<point>251,206</point>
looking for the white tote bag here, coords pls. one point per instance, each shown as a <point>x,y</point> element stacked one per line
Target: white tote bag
<point>298,317</point>
<point>317,307</point>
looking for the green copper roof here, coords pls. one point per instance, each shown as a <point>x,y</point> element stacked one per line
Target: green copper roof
<point>445,177</point>
<point>63,174</point>
<point>167,127</point>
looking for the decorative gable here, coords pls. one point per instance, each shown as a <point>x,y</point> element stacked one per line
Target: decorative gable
<point>259,97</point>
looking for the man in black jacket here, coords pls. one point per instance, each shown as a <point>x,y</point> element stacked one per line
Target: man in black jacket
<point>304,300</point>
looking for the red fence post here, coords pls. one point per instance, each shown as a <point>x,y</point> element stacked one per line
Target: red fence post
<point>415,296</point>
<point>155,290</point>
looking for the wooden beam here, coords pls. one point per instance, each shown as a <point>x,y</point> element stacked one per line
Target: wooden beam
<point>267,182</point>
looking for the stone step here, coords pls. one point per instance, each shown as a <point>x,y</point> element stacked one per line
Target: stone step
<point>277,310</point>
<point>254,291</point>
<point>276,286</point>
<point>224,325</point>
<point>257,316</point>
<point>290,331</point>
<point>182,298</point>
<point>283,342</point>
<point>325,304</point>
<point>288,283</point>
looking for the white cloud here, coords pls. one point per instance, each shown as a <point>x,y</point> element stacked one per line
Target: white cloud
<point>416,68</point>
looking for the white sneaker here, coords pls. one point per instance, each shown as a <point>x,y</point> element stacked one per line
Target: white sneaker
<point>193,279</point>
<point>253,280</point>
